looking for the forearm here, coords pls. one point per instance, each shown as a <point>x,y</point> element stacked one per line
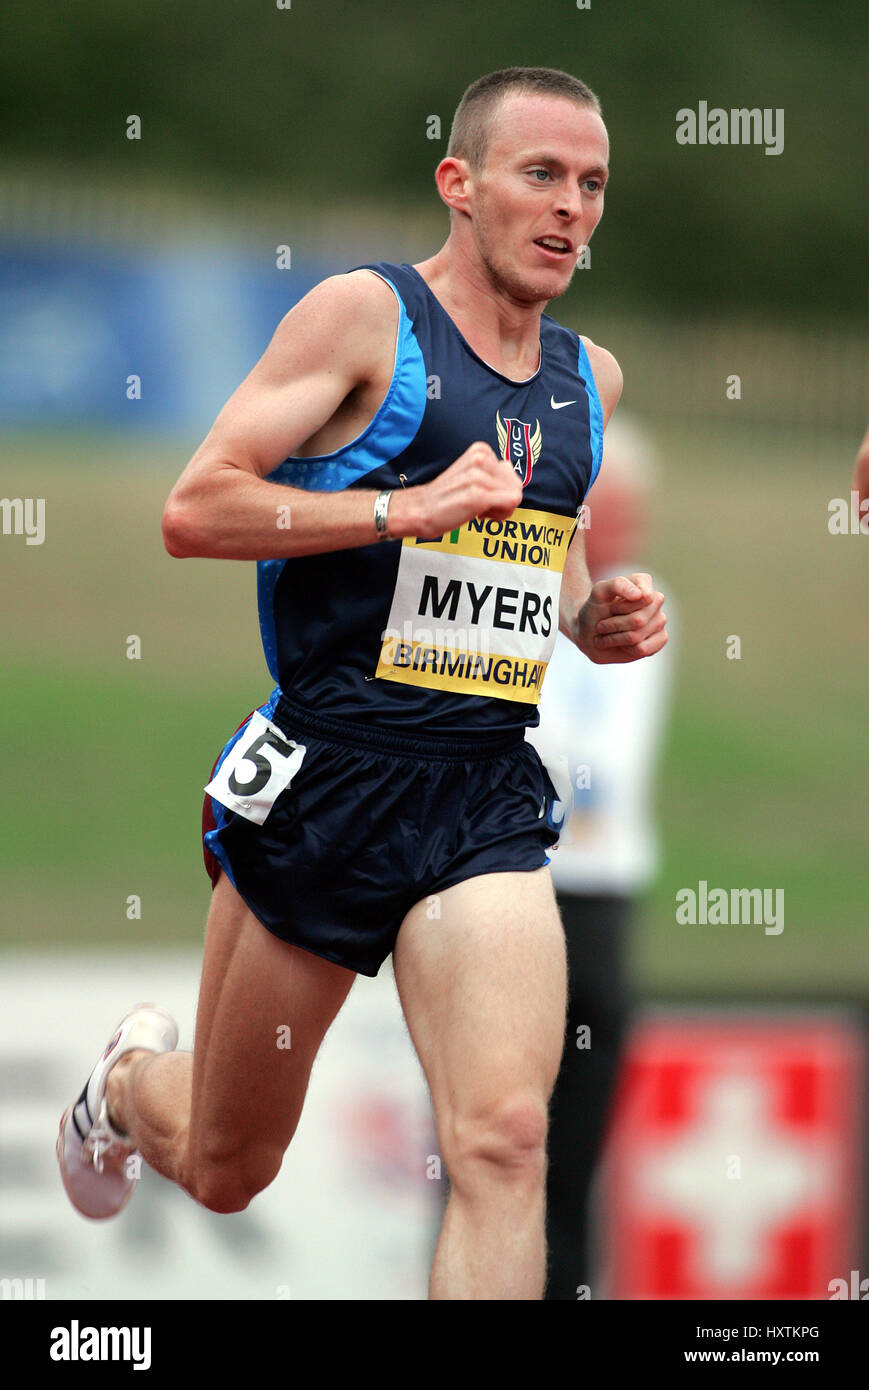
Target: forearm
<point>239,516</point>
<point>575,589</point>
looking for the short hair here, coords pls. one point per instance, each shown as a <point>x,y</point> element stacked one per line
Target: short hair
<point>472,123</point>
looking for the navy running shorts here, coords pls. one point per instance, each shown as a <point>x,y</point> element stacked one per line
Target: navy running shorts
<point>368,823</point>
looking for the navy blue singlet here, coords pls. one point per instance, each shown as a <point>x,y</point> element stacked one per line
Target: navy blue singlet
<point>446,635</point>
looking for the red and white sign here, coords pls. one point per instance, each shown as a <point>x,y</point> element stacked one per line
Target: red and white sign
<point>732,1168</point>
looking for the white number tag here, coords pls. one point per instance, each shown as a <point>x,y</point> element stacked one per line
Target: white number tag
<point>253,774</point>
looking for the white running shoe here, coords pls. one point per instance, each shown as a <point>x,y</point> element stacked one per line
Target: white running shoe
<point>94,1157</point>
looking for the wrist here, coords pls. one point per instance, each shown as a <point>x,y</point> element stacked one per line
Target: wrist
<point>570,619</point>
<point>405,517</point>
<point>569,628</point>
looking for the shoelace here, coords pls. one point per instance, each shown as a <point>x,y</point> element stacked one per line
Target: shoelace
<point>100,1145</point>
<point>100,1148</point>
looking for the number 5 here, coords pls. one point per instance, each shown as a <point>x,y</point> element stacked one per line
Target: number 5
<point>264,768</point>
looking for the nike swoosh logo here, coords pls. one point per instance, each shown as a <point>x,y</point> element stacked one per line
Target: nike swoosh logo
<point>559,405</point>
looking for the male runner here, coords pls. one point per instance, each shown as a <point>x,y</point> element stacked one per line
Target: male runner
<point>406,463</point>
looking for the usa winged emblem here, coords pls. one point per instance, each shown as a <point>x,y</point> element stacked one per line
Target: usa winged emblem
<point>518,445</point>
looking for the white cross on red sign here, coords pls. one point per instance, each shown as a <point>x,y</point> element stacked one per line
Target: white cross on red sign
<point>733,1165</point>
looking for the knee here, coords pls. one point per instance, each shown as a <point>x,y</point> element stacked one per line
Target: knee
<point>506,1140</point>
<point>228,1183</point>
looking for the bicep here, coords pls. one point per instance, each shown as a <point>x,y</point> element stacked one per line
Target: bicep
<point>267,419</point>
<point>321,350</point>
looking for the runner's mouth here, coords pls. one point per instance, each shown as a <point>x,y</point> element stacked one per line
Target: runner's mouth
<point>558,246</point>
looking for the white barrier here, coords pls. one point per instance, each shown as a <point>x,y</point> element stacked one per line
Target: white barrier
<point>351,1215</point>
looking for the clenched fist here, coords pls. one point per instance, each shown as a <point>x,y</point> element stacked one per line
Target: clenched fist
<point>477,484</point>
<point>622,620</point>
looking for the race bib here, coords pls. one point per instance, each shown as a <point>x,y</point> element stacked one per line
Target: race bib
<point>260,765</point>
<point>475,611</point>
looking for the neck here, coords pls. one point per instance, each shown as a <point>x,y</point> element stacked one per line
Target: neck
<point>500,329</point>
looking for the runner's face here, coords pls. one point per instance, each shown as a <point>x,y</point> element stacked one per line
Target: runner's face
<point>543,177</point>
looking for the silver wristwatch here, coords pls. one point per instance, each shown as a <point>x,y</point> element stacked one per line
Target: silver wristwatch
<point>381,508</point>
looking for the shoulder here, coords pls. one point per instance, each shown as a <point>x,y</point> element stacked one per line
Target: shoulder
<point>346,321</point>
<point>359,299</point>
<point>607,376</point>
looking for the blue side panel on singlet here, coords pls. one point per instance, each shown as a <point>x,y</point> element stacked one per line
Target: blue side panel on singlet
<point>595,413</point>
<point>322,617</point>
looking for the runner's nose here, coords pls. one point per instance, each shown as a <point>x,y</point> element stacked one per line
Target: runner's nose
<point>569,204</point>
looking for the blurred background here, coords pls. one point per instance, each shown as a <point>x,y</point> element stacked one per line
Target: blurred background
<point>174,178</point>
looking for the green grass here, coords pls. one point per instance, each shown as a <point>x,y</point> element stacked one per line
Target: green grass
<point>763,773</point>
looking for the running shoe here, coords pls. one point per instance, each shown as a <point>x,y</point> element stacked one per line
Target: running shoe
<point>98,1164</point>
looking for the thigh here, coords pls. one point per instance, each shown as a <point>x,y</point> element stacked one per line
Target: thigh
<point>264,1008</point>
<point>483,988</point>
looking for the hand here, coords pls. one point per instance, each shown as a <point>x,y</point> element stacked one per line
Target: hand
<point>622,620</point>
<point>478,483</point>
